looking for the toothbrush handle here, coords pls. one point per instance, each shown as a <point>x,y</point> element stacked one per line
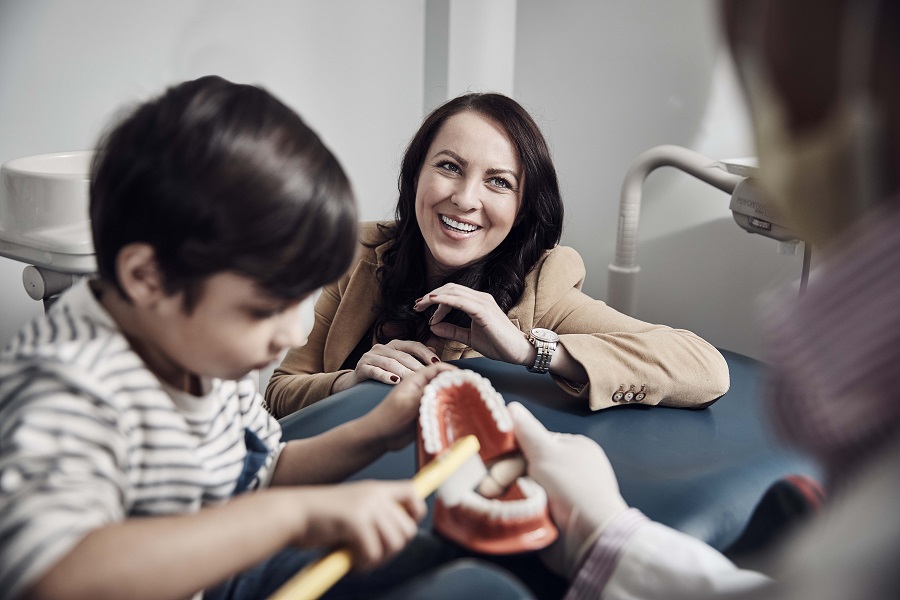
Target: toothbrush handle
<point>317,578</point>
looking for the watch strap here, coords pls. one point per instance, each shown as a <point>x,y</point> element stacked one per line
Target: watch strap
<point>544,355</point>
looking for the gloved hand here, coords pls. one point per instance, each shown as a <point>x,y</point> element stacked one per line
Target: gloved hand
<point>581,487</point>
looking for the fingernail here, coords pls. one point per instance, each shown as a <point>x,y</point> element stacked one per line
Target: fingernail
<point>435,359</point>
<point>394,378</point>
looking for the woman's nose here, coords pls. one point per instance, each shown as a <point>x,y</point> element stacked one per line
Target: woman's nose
<point>465,197</point>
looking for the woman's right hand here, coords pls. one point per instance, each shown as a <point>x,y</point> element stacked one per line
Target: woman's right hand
<point>389,363</point>
<point>375,519</point>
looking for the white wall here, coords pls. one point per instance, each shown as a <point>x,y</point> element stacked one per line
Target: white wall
<point>609,79</point>
<point>352,68</point>
<point>605,79</point>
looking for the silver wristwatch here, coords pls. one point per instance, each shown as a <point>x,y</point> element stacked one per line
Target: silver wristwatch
<point>545,342</point>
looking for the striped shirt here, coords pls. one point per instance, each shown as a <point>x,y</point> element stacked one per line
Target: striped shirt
<point>89,437</point>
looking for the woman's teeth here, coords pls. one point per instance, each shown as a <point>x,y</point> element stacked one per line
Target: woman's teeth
<point>457,226</point>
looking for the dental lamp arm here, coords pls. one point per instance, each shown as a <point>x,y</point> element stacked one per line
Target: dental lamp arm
<point>623,271</point>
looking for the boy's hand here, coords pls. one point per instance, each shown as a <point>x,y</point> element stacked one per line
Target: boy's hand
<point>394,419</point>
<point>375,519</point>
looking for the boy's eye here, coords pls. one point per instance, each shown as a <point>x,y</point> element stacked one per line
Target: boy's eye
<point>262,314</point>
<point>265,312</point>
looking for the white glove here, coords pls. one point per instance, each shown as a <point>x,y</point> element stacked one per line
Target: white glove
<point>582,490</point>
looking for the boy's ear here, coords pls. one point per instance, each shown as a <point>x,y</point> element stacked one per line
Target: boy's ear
<point>139,274</point>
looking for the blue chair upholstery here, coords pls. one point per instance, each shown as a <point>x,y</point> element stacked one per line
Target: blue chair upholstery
<point>699,471</point>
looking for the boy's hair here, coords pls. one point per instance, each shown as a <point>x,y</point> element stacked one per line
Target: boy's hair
<point>218,176</point>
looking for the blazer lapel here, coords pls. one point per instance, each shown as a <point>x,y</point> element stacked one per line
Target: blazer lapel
<point>356,313</point>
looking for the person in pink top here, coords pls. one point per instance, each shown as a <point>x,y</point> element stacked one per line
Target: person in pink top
<point>821,80</point>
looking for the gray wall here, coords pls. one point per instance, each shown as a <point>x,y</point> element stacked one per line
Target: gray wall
<point>606,80</point>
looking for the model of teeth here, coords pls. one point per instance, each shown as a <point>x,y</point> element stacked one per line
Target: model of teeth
<point>508,512</point>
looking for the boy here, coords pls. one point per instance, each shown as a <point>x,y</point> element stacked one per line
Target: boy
<point>129,428</point>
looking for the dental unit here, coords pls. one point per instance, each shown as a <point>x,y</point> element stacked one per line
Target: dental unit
<point>749,208</point>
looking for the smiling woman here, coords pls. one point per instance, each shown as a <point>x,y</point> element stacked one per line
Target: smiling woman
<point>471,266</point>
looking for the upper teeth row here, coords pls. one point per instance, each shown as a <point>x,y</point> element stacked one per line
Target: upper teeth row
<point>431,435</point>
<point>468,227</point>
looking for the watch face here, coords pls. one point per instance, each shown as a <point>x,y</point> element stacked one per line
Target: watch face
<point>545,335</point>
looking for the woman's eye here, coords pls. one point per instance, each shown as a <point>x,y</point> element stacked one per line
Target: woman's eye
<point>501,183</point>
<point>448,166</point>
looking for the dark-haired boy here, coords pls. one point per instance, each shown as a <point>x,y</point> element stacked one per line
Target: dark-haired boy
<point>130,428</point>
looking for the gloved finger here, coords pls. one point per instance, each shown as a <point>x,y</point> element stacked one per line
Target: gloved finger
<point>530,433</point>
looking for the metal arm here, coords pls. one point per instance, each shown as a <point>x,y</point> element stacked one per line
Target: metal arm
<point>623,271</point>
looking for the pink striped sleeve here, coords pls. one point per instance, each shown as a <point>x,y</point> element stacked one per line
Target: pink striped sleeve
<point>603,557</point>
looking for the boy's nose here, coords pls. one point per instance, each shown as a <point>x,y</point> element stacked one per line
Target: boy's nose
<point>290,330</point>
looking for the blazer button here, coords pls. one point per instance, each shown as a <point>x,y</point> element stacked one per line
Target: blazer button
<point>629,396</point>
<point>617,397</point>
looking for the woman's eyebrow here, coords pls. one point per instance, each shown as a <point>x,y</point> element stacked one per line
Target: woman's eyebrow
<point>502,172</point>
<point>465,163</point>
<point>454,156</point>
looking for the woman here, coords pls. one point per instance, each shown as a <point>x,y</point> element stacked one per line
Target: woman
<point>471,267</point>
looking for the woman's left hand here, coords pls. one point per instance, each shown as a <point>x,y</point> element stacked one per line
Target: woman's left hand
<point>492,334</point>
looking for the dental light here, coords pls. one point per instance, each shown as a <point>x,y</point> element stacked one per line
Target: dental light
<point>750,211</point>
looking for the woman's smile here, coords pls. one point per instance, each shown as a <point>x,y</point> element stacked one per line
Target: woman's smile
<point>468,193</point>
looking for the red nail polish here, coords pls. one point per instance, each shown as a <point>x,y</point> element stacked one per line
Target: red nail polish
<point>394,378</point>
<point>435,359</point>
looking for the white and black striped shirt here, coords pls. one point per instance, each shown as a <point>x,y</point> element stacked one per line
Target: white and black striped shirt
<point>89,436</point>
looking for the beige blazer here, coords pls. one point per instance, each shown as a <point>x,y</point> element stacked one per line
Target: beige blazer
<point>673,366</point>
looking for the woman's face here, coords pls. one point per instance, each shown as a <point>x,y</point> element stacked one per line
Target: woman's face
<point>468,192</point>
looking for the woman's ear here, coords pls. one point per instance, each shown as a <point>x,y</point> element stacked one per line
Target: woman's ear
<point>139,274</point>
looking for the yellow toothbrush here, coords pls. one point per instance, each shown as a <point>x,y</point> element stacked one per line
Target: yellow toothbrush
<point>318,577</point>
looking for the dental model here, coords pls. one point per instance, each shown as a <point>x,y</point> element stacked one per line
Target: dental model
<point>508,512</point>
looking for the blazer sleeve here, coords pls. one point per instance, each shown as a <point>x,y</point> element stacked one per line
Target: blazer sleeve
<point>300,380</point>
<point>671,367</point>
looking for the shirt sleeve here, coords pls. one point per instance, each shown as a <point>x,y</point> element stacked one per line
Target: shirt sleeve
<point>638,558</point>
<point>61,475</point>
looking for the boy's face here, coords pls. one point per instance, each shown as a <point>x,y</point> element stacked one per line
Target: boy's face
<point>233,329</point>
